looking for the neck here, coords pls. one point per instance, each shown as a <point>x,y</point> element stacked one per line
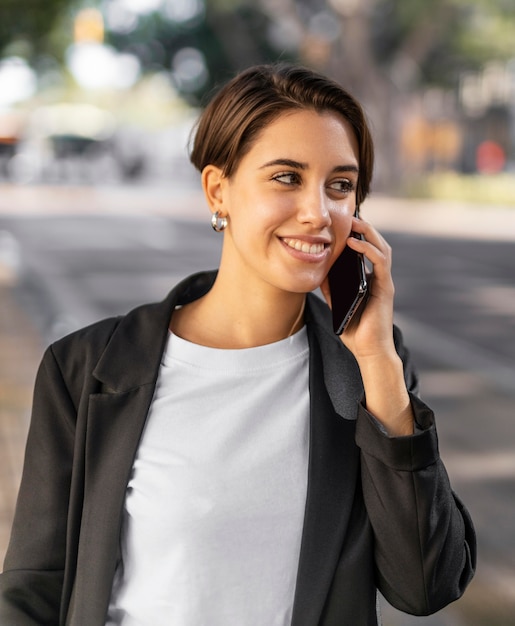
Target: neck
<point>230,318</point>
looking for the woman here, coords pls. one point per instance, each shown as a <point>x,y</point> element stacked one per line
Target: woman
<point>223,457</point>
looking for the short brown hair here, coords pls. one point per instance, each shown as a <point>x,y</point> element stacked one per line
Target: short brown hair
<point>257,96</point>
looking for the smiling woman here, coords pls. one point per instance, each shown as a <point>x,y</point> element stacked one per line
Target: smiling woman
<point>222,457</point>
<point>289,206</point>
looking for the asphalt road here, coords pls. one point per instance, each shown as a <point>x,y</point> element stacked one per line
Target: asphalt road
<point>455,300</point>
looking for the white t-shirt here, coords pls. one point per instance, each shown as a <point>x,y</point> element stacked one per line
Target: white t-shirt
<point>215,504</point>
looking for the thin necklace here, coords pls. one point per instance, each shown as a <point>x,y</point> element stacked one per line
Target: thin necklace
<point>298,318</point>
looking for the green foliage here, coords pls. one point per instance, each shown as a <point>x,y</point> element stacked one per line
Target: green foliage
<point>31,21</point>
<point>489,32</point>
<point>443,37</point>
<point>440,38</point>
<point>232,35</point>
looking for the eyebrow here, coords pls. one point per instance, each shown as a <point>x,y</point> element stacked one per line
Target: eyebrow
<point>304,166</point>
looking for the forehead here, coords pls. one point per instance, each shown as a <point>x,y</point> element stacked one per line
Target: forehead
<point>310,133</point>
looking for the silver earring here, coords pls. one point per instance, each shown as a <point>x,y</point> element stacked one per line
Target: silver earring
<point>218,222</point>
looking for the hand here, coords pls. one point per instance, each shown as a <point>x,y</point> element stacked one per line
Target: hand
<point>370,333</point>
<point>370,336</point>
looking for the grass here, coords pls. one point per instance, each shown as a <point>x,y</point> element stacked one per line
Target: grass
<point>498,189</point>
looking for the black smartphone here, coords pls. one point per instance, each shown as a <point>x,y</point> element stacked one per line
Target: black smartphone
<point>348,286</point>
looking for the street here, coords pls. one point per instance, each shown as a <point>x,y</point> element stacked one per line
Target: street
<point>455,301</point>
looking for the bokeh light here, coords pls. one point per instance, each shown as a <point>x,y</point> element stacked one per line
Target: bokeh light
<point>97,66</point>
<point>18,81</point>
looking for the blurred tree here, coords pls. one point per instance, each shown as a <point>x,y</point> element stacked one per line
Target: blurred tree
<point>229,36</point>
<point>387,49</point>
<point>408,43</point>
<point>30,24</point>
<point>380,49</point>
<point>443,38</point>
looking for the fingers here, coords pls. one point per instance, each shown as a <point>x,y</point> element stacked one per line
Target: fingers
<point>373,245</point>
<point>370,334</point>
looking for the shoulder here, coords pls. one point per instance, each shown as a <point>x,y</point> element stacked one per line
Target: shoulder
<point>69,362</point>
<point>125,350</point>
<point>86,342</point>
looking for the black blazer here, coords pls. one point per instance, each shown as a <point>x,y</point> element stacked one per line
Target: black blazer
<point>380,512</point>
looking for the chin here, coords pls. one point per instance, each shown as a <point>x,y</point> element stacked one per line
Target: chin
<point>304,286</point>
<point>294,280</point>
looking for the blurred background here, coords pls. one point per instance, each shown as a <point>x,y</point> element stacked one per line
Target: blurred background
<point>101,91</point>
<point>100,209</point>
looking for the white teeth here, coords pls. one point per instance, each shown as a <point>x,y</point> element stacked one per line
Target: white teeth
<point>303,246</point>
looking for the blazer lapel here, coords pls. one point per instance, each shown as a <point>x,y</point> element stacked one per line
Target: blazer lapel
<point>333,467</point>
<point>128,371</point>
<point>114,430</point>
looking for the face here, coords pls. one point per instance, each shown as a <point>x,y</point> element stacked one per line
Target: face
<point>290,202</point>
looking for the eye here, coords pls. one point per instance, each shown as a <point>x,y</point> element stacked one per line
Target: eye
<point>342,185</point>
<point>287,178</point>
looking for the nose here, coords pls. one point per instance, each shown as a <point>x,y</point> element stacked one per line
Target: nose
<point>314,208</point>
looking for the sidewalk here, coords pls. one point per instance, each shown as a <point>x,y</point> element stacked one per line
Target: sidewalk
<point>441,218</point>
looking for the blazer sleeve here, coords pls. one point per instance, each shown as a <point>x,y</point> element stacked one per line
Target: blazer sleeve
<point>425,547</point>
<point>31,583</point>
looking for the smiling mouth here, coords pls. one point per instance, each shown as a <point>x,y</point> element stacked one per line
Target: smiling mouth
<point>304,246</point>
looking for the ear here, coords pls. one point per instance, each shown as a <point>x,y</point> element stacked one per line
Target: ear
<point>213,183</point>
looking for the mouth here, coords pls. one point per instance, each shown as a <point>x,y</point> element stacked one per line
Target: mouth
<point>306,247</point>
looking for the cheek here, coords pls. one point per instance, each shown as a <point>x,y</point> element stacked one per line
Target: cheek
<point>341,223</point>
<point>269,211</point>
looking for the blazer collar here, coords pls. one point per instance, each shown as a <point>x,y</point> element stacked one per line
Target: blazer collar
<point>132,356</point>
<point>341,373</point>
<point>332,480</point>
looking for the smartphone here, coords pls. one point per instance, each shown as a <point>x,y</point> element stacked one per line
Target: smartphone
<point>348,286</point>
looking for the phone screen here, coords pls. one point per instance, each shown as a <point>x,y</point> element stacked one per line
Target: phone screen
<point>348,287</point>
